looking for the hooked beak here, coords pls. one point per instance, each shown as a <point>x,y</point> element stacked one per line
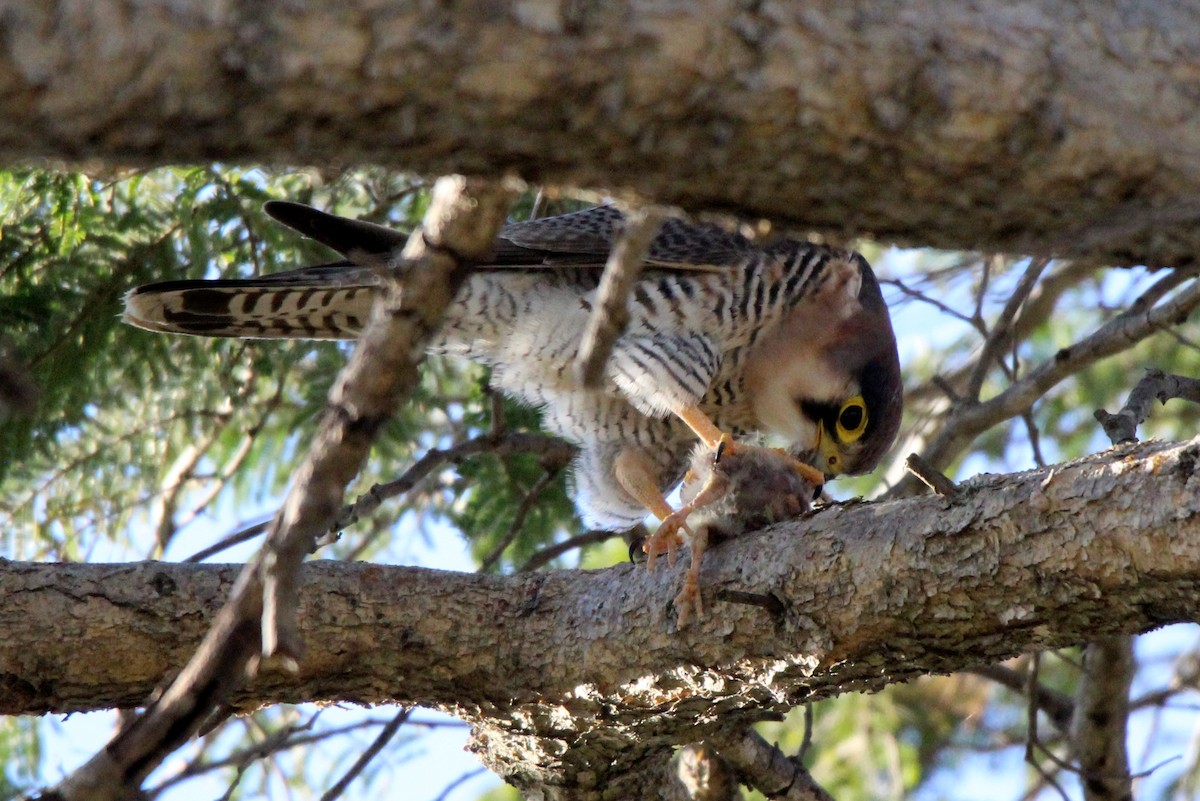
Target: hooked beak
<point>830,461</point>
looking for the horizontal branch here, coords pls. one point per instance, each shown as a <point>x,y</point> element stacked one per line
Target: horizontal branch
<point>569,669</point>
<point>1052,127</point>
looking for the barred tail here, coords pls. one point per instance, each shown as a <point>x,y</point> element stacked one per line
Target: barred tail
<point>328,302</point>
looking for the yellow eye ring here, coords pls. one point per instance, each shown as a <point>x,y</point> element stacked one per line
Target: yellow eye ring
<point>852,419</point>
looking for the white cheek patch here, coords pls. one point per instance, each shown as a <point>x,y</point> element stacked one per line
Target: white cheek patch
<point>776,401</point>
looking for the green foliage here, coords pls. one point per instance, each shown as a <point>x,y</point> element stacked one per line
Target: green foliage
<point>20,754</point>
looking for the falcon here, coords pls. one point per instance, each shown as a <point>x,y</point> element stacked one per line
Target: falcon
<point>726,338</point>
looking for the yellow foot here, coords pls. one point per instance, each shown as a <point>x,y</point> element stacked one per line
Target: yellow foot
<point>689,595</point>
<point>666,538</point>
<point>687,600</point>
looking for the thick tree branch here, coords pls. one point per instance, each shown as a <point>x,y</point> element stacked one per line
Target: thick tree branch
<point>1052,127</point>
<point>572,677</point>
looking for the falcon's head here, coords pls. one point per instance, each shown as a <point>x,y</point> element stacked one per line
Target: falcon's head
<point>828,378</point>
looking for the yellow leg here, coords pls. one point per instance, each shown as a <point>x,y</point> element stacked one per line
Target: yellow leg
<point>689,595</point>
<point>700,423</point>
<point>638,476</point>
<point>712,436</point>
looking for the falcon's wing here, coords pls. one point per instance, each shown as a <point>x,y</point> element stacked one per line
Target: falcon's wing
<point>333,301</point>
<point>581,239</point>
<point>584,238</point>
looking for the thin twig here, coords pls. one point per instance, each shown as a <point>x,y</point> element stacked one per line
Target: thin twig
<point>466,777</point>
<point>384,737</point>
<point>611,314</point>
<point>228,541</point>
<point>930,476</point>
<point>550,449</point>
<point>1121,333</point>
<point>1002,329</point>
<point>1031,736</point>
<point>548,554</point>
<point>518,521</point>
<point>916,294</point>
<point>807,740</point>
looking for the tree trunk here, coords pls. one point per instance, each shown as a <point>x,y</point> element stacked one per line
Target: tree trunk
<point>1048,126</point>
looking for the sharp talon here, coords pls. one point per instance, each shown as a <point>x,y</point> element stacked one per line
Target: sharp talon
<point>725,447</point>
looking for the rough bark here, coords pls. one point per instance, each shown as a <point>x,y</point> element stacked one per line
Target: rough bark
<point>1047,126</point>
<point>573,678</point>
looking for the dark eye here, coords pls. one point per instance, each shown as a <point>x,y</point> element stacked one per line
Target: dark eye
<point>852,419</point>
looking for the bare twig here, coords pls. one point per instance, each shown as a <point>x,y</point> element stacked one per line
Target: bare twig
<point>1002,330</point>
<point>236,538</point>
<point>930,476</point>
<point>552,552</point>
<point>461,780</point>
<point>807,739</point>
<point>610,314</point>
<point>918,295</point>
<point>1031,735</point>
<point>286,738</point>
<point>967,421</point>
<point>1036,311</point>
<point>1155,384</point>
<point>550,449</point>
<point>385,736</point>
<point>518,521</point>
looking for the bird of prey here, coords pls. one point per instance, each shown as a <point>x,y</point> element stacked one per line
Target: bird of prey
<point>726,338</point>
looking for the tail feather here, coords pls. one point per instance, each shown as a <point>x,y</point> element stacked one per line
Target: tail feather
<point>284,306</point>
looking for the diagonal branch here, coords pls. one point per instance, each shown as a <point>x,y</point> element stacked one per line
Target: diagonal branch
<point>610,315</point>
<point>260,614</point>
<point>1002,331</point>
